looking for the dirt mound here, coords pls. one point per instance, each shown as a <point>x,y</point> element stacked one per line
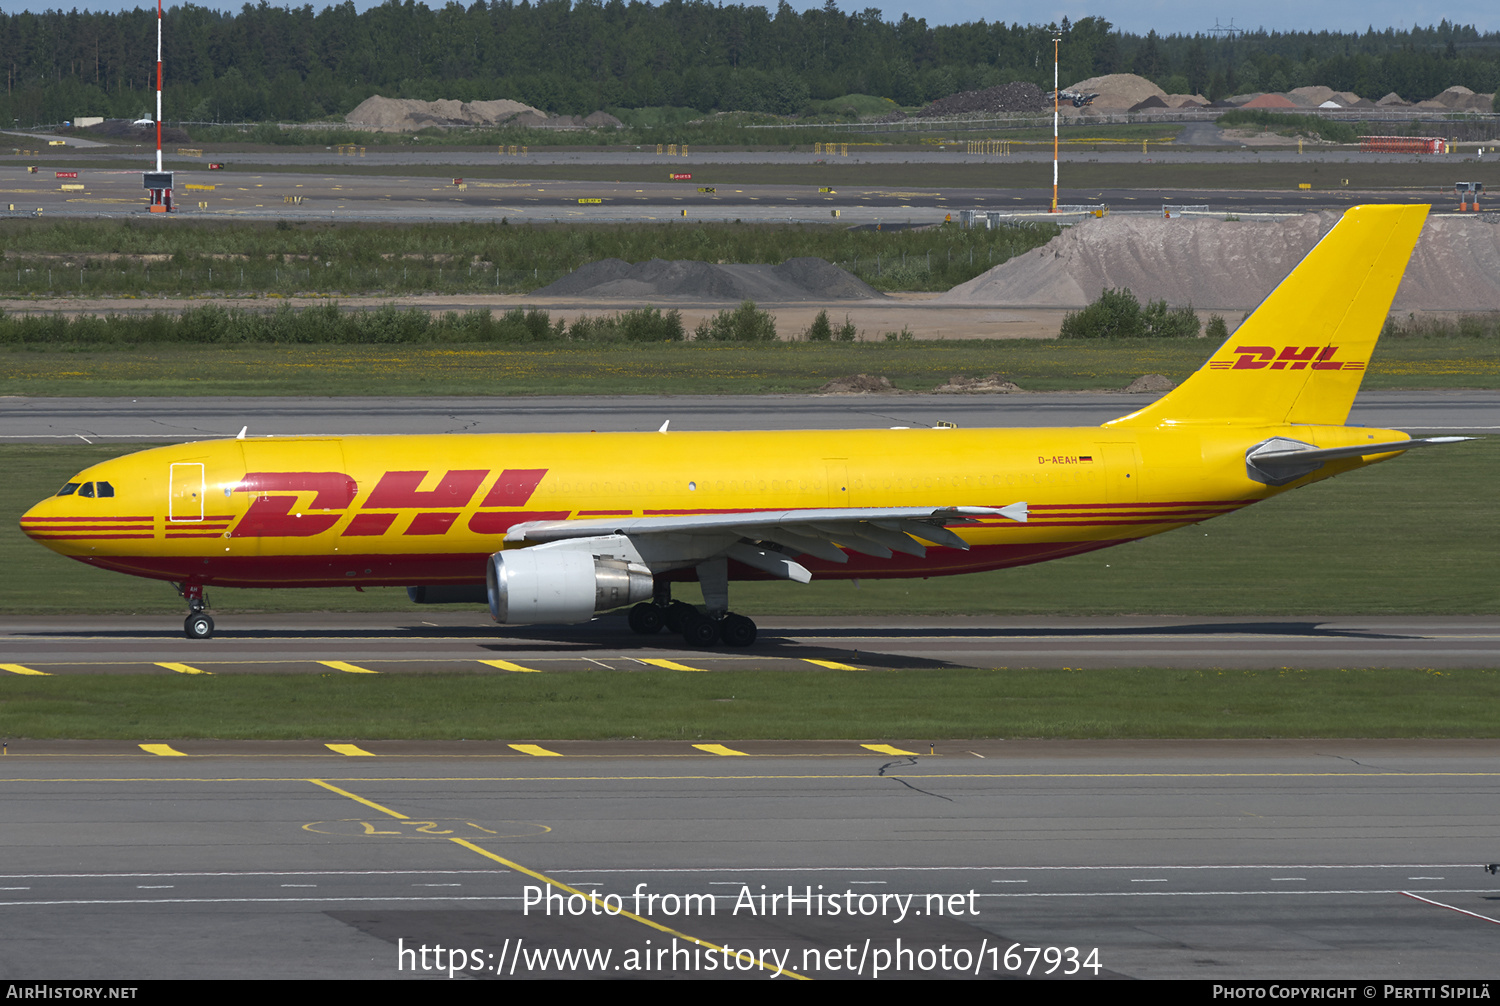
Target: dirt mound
<point>797,279</point>
<point>1017,96</point>
<point>856,384</point>
<point>1118,90</point>
<point>960,385</point>
<point>1228,265</point>
<point>400,114</point>
<point>1149,384</point>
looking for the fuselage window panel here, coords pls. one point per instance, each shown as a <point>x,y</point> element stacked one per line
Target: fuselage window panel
<point>69,489</point>
<point>87,490</point>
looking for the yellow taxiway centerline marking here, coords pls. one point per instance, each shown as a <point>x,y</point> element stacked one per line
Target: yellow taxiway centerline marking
<point>165,750</point>
<point>352,750</point>
<point>506,665</point>
<point>534,749</point>
<point>886,749</point>
<point>22,669</point>
<point>346,667</point>
<point>587,895</point>
<point>181,668</point>
<point>832,665</point>
<point>670,665</point>
<point>718,749</point>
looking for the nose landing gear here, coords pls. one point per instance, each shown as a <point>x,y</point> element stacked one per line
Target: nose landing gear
<point>198,624</point>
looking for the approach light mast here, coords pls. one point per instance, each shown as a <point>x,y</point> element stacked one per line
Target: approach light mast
<point>158,182</point>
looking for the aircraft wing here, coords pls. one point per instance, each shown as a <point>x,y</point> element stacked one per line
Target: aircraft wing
<point>824,533</point>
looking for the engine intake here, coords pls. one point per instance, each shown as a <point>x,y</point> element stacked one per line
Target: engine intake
<point>547,585</point>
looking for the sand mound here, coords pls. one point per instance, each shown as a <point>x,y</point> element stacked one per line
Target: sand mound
<point>1228,266</point>
<point>856,384</point>
<point>960,385</point>
<point>1149,384</point>
<point>1118,90</point>
<point>797,279</point>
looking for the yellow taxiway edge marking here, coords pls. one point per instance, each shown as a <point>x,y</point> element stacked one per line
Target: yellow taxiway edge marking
<point>181,668</point>
<point>506,665</point>
<point>534,749</point>
<point>832,665</point>
<point>165,750</point>
<point>346,667</point>
<point>718,749</point>
<point>886,749</point>
<point>352,750</point>
<point>22,669</point>
<point>670,665</point>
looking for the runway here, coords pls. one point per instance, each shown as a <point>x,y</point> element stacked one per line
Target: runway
<point>1214,860</point>
<point>438,639</point>
<point>171,420</point>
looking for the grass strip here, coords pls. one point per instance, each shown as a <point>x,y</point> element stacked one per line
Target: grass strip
<point>1414,535</point>
<point>670,368</point>
<point>928,705</point>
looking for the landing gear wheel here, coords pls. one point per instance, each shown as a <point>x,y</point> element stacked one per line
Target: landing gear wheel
<point>700,631</point>
<point>677,615</point>
<point>737,630</point>
<point>646,619</point>
<point>198,626</point>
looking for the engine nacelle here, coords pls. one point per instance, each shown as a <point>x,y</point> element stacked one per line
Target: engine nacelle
<point>553,585</point>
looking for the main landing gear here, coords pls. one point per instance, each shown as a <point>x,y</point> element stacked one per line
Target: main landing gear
<point>198,624</point>
<point>719,625</point>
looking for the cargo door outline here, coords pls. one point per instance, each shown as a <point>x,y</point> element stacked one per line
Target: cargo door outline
<point>185,482</point>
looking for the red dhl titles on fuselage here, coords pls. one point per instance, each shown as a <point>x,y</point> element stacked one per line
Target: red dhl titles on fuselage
<point>422,507</point>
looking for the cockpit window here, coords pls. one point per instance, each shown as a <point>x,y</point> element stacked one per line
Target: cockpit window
<point>87,490</point>
<point>68,490</point>
<point>104,489</point>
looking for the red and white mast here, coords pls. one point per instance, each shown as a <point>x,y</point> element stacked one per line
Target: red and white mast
<point>158,85</point>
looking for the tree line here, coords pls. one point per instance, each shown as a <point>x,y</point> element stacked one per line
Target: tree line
<point>267,63</point>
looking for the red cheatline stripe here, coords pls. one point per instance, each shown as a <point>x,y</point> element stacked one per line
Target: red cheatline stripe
<point>78,537</point>
<point>84,526</point>
<point>57,519</point>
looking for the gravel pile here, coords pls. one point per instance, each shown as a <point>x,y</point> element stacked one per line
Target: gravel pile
<point>1228,265</point>
<point>1017,96</point>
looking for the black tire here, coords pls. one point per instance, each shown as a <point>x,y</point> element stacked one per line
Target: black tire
<point>737,630</point>
<point>198,626</point>
<point>646,619</point>
<point>677,615</point>
<point>700,631</point>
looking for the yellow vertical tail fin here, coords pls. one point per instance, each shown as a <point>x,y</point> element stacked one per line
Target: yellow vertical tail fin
<point>1301,354</point>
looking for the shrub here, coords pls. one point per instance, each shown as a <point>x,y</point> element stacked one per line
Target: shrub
<point>744,324</point>
<point>1115,315</point>
<point>820,330</point>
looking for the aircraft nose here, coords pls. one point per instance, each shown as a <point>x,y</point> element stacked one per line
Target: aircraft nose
<point>36,522</point>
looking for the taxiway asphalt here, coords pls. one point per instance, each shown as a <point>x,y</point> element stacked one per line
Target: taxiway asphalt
<point>170,420</point>
<point>438,639</point>
<point>1354,860</point>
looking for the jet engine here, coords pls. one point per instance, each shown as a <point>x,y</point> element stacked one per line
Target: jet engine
<point>553,585</point>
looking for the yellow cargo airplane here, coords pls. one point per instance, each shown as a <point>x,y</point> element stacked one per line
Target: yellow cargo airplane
<point>552,528</point>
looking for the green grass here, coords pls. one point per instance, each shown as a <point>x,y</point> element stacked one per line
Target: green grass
<point>668,368</point>
<point>737,705</point>
<point>1415,535</point>
<point>97,258</point>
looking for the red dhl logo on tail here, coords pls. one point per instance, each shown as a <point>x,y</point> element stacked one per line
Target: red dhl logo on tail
<point>1288,358</point>
<point>277,493</point>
